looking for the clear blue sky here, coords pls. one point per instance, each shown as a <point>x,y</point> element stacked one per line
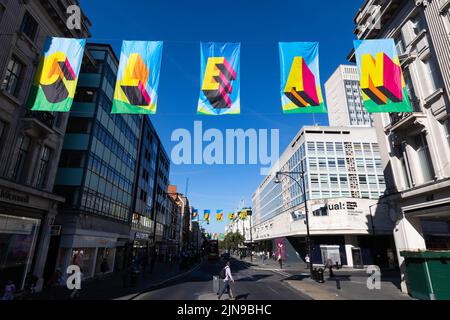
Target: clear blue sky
<point>259,25</point>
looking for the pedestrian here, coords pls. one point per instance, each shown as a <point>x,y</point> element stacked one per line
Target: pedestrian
<point>307,260</point>
<point>264,257</point>
<point>329,266</point>
<point>104,267</point>
<point>280,261</point>
<point>10,288</point>
<point>227,281</point>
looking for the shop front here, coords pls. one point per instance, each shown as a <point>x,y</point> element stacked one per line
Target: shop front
<point>18,236</point>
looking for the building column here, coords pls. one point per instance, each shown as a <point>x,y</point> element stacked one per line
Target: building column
<point>350,242</point>
<point>407,236</point>
<point>42,248</point>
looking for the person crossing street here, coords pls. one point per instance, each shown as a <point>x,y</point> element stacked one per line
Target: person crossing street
<point>226,282</point>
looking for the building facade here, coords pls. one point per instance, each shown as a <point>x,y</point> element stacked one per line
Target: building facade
<point>96,173</point>
<point>152,177</point>
<point>30,142</point>
<point>344,99</point>
<point>415,147</point>
<point>343,172</point>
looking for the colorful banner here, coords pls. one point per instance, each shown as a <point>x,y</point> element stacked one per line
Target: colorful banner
<point>219,215</point>
<point>243,214</point>
<point>216,236</point>
<point>220,80</point>
<point>301,90</point>
<point>56,78</point>
<point>206,215</point>
<point>138,78</point>
<point>194,214</point>
<point>382,84</point>
<point>231,216</point>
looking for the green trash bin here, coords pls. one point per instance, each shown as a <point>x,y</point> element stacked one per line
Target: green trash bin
<point>428,274</point>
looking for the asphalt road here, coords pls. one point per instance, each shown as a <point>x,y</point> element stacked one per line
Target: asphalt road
<point>249,284</point>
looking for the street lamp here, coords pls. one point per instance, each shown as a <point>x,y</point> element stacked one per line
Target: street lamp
<point>302,186</point>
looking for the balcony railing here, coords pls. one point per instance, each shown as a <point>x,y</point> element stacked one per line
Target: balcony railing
<point>396,117</point>
<point>45,118</point>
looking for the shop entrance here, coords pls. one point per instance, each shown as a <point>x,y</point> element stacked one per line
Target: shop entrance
<point>357,258</point>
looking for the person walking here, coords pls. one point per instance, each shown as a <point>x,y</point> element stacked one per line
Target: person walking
<point>280,261</point>
<point>10,289</point>
<point>307,260</point>
<point>329,266</point>
<point>226,282</point>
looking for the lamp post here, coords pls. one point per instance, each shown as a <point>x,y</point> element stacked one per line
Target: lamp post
<point>302,186</point>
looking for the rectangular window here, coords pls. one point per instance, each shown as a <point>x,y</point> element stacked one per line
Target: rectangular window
<point>430,72</point>
<point>24,145</point>
<point>79,125</point>
<point>86,95</point>
<point>29,26</point>
<point>446,130</point>
<point>417,24</point>
<point>13,77</point>
<point>423,153</point>
<point>2,132</point>
<point>43,168</point>
<point>399,44</point>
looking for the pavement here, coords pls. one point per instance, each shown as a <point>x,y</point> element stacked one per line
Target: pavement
<point>111,287</point>
<point>346,283</point>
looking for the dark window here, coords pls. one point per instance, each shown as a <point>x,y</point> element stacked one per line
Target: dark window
<point>72,159</point>
<point>43,167</point>
<point>3,127</point>
<point>79,125</point>
<point>29,26</point>
<point>423,153</point>
<point>24,145</point>
<point>12,80</point>
<point>85,95</point>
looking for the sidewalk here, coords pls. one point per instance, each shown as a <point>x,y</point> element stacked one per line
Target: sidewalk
<point>347,283</point>
<point>111,287</point>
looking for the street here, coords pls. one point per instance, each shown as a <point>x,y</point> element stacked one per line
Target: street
<point>249,284</point>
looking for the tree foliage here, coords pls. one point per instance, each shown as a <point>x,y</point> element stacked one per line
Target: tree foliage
<point>232,241</point>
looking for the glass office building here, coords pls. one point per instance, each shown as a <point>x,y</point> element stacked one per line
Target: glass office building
<point>96,172</point>
<point>343,179</point>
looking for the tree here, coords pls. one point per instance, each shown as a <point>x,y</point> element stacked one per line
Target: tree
<point>232,241</point>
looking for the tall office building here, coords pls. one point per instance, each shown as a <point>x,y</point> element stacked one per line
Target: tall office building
<point>344,179</point>
<point>150,199</point>
<point>344,99</point>
<point>96,172</point>
<point>30,142</point>
<point>415,147</point>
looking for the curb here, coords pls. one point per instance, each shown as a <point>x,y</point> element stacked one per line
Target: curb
<point>156,285</point>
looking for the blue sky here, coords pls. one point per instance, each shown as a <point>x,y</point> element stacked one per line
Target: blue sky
<point>259,25</point>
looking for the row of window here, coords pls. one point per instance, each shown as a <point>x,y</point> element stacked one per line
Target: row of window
<point>104,170</point>
<point>97,203</point>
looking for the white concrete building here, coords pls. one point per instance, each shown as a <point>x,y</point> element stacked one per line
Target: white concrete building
<point>344,180</point>
<point>344,99</point>
<point>415,147</point>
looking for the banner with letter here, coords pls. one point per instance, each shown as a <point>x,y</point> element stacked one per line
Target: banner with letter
<point>220,80</point>
<point>56,78</point>
<point>219,215</point>
<point>194,214</point>
<point>207,215</point>
<point>301,90</point>
<point>231,216</point>
<point>382,84</point>
<point>137,82</point>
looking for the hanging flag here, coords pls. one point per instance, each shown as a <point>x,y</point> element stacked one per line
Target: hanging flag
<point>382,84</point>
<point>57,74</point>
<point>216,236</point>
<point>231,216</point>
<point>194,214</point>
<point>138,77</point>
<point>243,214</point>
<point>301,90</point>
<point>219,215</point>
<point>207,215</point>
<point>220,80</point>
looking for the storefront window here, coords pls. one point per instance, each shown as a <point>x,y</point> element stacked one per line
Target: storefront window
<point>17,242</point>
<point>84,257</point>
